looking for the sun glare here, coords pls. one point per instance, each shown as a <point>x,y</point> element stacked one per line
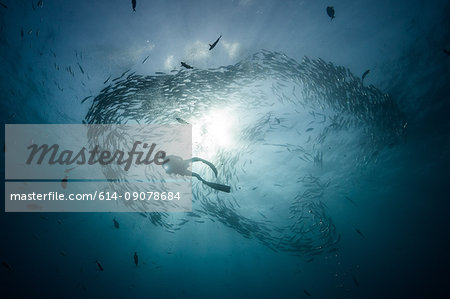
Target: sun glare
<point>213,132</point>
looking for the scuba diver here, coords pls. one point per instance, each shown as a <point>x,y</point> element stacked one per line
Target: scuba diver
<point>176,165</point>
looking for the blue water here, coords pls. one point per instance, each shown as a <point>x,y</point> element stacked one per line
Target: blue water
<point>382,178</point>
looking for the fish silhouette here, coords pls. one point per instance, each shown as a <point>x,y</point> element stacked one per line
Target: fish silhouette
<point>116,223</point>
<point>136,259</point>
<point>215,43</point>
<point>186,65</point>
<point>364,75</point>
<point>100,267</point>
<point>330,12</point>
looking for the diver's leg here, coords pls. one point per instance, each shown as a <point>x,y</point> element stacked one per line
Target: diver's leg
<point>219,187</point>
<point>195,159</point>
<point>198,177</point>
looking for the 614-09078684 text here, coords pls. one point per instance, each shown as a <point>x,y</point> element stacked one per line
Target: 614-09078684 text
<point>140,196</point>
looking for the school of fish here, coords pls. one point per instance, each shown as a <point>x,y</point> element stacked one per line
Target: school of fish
<point>299,130</point>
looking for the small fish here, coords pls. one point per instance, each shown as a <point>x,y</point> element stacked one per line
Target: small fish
<point>21,32</point>
<point>123,74</point>
<point>446,51</point>
<point>100,267</point>
<point>181,121</point>
<point>81,69</point>
<point>364,75</point>
<point>145,59</point>
<point>309,129</point>
<point>133,4</point>
<point>64,182</point>
<point>116,223</point>
<point>107,79</point>
<point>4,5</point>
<point>84,100</point>
<point>6,265</point>
<point>360,233</point>
<point>69,169</point>
<point>350,200</point>
<point>307,293</point>
<point>186,65</point>
<point>330,12</point>
<point>183,221</point>
<point>355,281</point>
<point>215,43</point>
<point>136,259</point>
<point>374,154</point>
<point>40,4</point>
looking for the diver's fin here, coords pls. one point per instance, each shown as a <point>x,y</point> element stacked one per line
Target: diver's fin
<point>219,187</point>
<point>214,169</point>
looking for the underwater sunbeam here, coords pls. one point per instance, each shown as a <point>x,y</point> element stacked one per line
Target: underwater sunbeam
<point>212,132</point>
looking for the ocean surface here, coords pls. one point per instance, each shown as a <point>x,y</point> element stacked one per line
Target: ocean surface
<point>328,120</point>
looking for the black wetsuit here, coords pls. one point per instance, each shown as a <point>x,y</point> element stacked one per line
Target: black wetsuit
<point>176,165</point>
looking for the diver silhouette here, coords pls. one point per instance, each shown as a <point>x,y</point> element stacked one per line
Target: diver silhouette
<point>176,165</point>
